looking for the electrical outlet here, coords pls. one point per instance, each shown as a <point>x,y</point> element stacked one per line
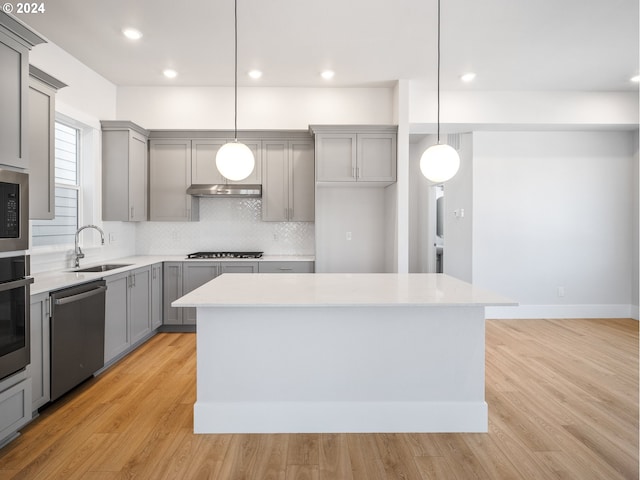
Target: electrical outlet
<point>561,291</point>
<point>348,235</point>
<point>112,237</point>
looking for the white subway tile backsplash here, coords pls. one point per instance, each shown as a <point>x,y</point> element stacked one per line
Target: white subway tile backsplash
<point>226,224</point>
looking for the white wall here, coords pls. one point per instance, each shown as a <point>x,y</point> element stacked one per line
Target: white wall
<point>472,110</point>
<point>258,108</point>
<point>88,97</point>
<point>555,209</point>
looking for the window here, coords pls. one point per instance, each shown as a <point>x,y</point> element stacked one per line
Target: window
<point>62,228</point>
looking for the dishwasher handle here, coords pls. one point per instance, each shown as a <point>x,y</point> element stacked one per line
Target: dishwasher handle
<point>80,296</point>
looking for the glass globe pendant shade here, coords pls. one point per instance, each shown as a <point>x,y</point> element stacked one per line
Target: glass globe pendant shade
<point>439,163</point>
<point>235,161</point>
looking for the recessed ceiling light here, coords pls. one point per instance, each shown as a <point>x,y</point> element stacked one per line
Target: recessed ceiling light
<point>132,33</point>
<point>255,74</point>
<point>169,73</point>
<point>468,77</point>
<point>636,78</point>
<point>328,74</point>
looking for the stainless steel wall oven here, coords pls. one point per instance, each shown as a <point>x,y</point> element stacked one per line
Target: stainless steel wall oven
<point>14,314</point>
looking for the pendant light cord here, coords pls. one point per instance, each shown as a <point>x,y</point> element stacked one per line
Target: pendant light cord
<point>235,78</point>
<point>438,72</point>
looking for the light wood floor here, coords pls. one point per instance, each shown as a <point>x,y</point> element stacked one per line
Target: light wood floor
<point>562,395</point>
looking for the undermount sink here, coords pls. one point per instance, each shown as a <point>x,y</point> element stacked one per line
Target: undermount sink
<point>102,268</point>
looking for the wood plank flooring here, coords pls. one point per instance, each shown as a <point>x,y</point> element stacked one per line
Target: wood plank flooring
<point>562,395</point>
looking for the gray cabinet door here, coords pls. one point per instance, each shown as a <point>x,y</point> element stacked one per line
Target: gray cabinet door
<point>301,182</point>
<point>138,183</point>
<point>336,157</point>
<point>256,176</point>
<point>139,304</point>
<point>195,275</point>
<point>376,157</point>
<point>156,295</point>
<point>203,161</point>
<point>116,333</point>
<point>41,150</point>
<point>14,65</point>
<point>40,366</point>
<point>275,181</point>
<point>172,290</point>
<point>124,172</point>
<point>170,176</point>
<point>288,183</point>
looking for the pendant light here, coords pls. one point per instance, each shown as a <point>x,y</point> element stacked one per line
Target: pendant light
<point>439,162</point>
<point>235,160</point>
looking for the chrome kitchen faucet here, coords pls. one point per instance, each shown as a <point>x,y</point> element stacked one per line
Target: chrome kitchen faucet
<point>78,251</point>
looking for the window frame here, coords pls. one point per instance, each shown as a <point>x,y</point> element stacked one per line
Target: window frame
<point>87,156</point>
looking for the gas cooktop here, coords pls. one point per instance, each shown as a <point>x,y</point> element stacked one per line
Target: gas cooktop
<point>225,255</point>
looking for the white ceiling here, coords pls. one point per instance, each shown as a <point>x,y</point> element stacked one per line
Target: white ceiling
<point>510,44</point>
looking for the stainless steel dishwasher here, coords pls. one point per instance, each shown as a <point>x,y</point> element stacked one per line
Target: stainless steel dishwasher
<point>77,335</point>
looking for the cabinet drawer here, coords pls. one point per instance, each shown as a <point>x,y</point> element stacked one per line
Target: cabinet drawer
<point>285,267</point>
<point>15,408</point>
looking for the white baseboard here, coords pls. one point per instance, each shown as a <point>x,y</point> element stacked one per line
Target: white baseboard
<point>339,417</point>
<point>563,311</point>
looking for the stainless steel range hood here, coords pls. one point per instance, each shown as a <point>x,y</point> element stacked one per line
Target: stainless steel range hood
<point>225,191</point>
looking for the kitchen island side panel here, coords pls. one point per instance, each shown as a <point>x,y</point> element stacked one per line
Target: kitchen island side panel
<point>340,369</point>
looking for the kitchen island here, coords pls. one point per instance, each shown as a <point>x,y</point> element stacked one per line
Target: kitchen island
<point>295,353</point>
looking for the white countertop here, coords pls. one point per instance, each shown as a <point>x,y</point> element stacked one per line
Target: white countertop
<point>56,280</point>
<point>338,289</point>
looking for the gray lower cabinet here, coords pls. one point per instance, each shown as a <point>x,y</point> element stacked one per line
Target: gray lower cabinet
<point>181,278</point>
<point>15,404</point>
<point>288,181</point>
<point>124,171</point>
<point>195,275</point>
<point>41,122</point>
<point>140,304</point>
<point>169,178</point>
<point>286,267</point>
<point>172,290</point>
<point>128,311</point>
<point>39,367</point>
<point>156,295</point>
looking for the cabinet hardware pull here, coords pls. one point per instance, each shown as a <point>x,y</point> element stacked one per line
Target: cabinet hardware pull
<point>132,212</point>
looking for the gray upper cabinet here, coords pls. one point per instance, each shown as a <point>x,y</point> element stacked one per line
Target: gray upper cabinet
<point>42,107</point>
<point>170,176</point>
<point>15,42</point>
<point>355,153</point>
<point>124,171</point>
<point>203,162</point>
<point>288,181</point>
